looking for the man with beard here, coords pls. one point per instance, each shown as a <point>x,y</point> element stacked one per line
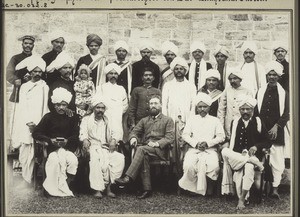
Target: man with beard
<point>125,78</point>
<point>151,137</point>
<point>116,99</point>
<point>203,133</point>
<point>231,97</point>
<point>221,54</point>
<point>280,51</point>
<point>244,153</point>
<point>64,65</point>
<point>60,132</point>
<point>273,110</point>
<point>139,101</point>
<point>138,67</point>
<point>31,108</point>
<point>252,72</point>
<point>178,94</point>
<point>99,145</point>
<point>58,42</point>
<point>94,60</point>
<point>169,51</point>
<point>18,77</point>
<point>198,66</point>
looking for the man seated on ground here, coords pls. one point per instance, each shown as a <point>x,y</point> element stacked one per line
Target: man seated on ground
<point>60,132</point>
<point>248,138</point>
<point>99,144</point>
<point>203,133</point>
<point>157,133</point>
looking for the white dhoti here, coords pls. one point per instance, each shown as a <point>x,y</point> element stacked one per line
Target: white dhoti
<point>105,167</point>
<point>196,166</point>
<point>277,163</point>
<point>244,174</point>
<point>26,158</point>
<point>59,163</point>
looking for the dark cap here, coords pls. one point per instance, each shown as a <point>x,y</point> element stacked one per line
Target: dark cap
<point>30,37</point>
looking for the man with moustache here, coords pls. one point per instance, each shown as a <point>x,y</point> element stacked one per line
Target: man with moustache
<point>64,65</point>
<point>116,99</point>
<point>58,42</point>
<point>280,50</point>
<point>221,54</point>
<point>138,67</point>
<point>99,145</point>
<point>252,72</point>
<point>178,94</point>
<point>198,66</point>
<point>139,101</point>
<point>18,77</point>
<point>169,51</point>
<point>31,108</point>
<point>121,49</point>
<point>61,133</point>
<point>231,97</point>
<point>94,60</point>
<point>203,133</point>
<point>244,153</point>
<point>273,110</point>
<point>151,137</point>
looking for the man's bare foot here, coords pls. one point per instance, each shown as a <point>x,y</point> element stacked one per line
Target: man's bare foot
<point>275,193</point>
<point>98,194</point>
<point>240,205</point>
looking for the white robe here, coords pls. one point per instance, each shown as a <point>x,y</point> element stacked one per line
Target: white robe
<point>197,164</point>
<point>31,108</point>
<point>117,105</point>
<point>105,166</point>
<point>229,106</point>
<point>177,98</point>
<point>250,80</point>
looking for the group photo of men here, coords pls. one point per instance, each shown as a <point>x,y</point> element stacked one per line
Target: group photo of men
<point>104,101</point>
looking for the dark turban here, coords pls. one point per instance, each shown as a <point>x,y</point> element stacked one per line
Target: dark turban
<point>93,38</point>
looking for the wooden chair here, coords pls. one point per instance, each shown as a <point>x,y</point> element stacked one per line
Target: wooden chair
<point>40,158</point>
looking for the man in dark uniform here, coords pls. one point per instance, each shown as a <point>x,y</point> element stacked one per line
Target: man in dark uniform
<point>273,110</point>
<point>198,66</point>
<point>94,60</point>
<point>58,42</point>
<point>221,54</point>
<point>18,77</point>
<point>280,51</point>
<point>138,67</point>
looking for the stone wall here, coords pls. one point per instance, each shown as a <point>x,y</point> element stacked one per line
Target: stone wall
<point>182,27</point>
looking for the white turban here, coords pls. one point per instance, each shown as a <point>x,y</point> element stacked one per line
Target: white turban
<point>235,71</point>
<point>57,34</point>
<point>98,99</point>
<point>61,94</point>
<point>275,66</point>
<point>197,45</point>
<point>112,66</point>
<point>31,63</point>
<point>179,61</point>
<point>249,45</point>
<point>121,44</point>
<point>203,97</point>
<point>221,49</point>
<point>62,59</point>
<point>248,101</point>
<point>280,44</point>
<point>212,73</point>
<point>169,46</point>
<point>146,45</point>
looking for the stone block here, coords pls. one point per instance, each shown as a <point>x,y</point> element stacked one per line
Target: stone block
<point>184,24</point>
<point>166,23</point>
<point>184,34</point>
<point>141,15</point>
<point>202,17</point>
<point>119,23</point>
<point>275,18</point>
<point>219,17</point>
<point>140,23</point>
<point>138,33</point>
<point>245,26</point>
<point>127,32</point>
<point>263,26</point>
<point>202,34</point>
<point>263,56</point>
<point>283,26</point>
<point>236,36</point>
<point>279,36</point>
<point>161,34</point>
<point>226,25</point>
<point>204,25</point>
<point>183,16</point>
<point>238,17</point>
<point>261,35</point>
<point>256,17</point>
<point>219,35</point>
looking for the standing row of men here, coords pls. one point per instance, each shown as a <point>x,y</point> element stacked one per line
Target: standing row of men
<point>181,100</point>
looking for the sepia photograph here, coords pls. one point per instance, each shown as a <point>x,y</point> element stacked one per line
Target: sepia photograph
<point>148,112</point>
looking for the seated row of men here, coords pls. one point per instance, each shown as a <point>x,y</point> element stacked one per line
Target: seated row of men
<point>180,102</point>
